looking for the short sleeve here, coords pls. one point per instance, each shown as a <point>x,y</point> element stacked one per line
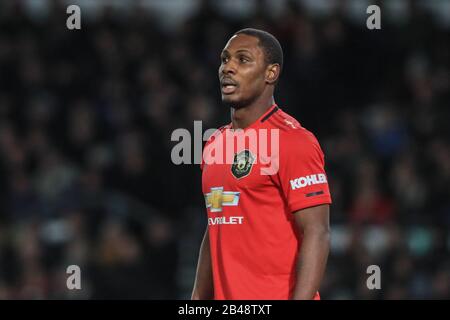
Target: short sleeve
<point>301,173</point>
<point>217,134</point>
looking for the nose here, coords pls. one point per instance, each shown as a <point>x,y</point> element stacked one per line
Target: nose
<point>229,67</point>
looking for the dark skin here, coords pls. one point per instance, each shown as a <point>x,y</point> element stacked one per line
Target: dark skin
<point>243,62</point>
<point>247,85</point>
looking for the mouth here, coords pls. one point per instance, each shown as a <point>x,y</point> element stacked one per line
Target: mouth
<point>228,89</point>
<point>228,86</point>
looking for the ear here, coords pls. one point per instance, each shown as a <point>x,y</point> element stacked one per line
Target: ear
<point>272,73</point>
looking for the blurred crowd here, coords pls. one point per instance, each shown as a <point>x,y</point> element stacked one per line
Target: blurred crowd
<point>85,123</point>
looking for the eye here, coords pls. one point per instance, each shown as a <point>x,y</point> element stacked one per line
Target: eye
<point>243,59</point>
<point>224,59</point>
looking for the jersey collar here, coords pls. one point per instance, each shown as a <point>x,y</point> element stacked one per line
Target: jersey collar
<point>270,111</point>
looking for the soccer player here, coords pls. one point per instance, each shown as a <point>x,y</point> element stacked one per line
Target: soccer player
<point>268,234</point>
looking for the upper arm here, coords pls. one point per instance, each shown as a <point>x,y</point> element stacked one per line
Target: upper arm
<point>301,173</point>
<point>315,218</point>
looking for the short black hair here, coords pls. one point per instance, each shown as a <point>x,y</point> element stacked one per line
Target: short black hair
<point>270,45</point>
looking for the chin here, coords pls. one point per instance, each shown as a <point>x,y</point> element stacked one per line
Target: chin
<point>231,102</point>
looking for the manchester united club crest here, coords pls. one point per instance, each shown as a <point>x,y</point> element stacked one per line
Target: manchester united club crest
<point>242,164</point>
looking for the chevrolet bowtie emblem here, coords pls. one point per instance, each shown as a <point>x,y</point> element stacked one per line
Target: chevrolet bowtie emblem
<point>218,198</point>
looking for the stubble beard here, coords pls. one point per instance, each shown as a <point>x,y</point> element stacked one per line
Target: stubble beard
<point>238,104</point>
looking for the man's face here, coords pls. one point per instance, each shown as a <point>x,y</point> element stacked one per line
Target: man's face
<point>242,71</point>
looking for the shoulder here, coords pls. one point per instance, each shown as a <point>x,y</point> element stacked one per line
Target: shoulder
<point>291,132</point>
<point>217,133</point>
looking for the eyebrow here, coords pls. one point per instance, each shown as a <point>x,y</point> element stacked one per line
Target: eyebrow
<point>237,51</point>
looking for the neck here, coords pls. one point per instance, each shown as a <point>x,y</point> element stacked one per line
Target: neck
<point>243,117</point>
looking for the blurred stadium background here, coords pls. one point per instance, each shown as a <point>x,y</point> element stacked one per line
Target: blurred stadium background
<point>86,118</point>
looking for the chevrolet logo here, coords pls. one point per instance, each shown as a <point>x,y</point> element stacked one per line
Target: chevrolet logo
<point>218,198</point>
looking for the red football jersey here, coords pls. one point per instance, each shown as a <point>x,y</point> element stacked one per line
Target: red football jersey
<point>250,204</point>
